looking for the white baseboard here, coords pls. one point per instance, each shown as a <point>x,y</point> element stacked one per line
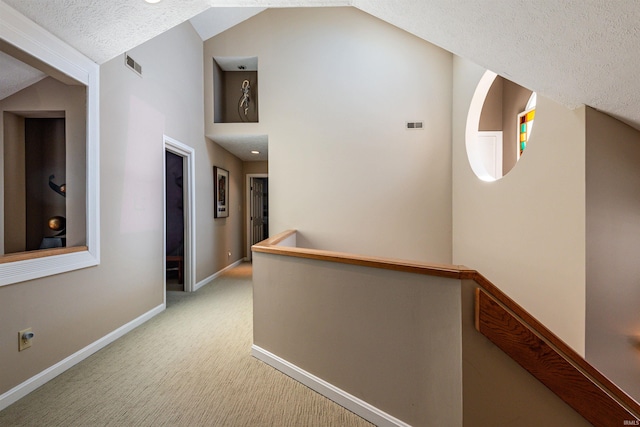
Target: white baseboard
<point>48,374</point>
<point>341,397</point>
<point>216,275</point>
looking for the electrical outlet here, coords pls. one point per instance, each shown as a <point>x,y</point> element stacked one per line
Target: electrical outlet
<point>25,338</point>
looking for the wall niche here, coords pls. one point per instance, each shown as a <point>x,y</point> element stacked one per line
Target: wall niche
<point>235,86</point>
<point>43,134</point>
<point>35,189</point>
<point>45,183</point>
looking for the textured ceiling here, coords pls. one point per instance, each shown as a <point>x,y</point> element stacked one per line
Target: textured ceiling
<point>213,21</point>
<point>573,51</point>
<point>104,29</point>
<point>16,75</point>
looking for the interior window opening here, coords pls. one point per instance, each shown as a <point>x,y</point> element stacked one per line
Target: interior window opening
<point>499,126</point>
<point>49,168</point>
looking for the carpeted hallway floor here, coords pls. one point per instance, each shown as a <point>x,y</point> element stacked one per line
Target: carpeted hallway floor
<point>188,366</point>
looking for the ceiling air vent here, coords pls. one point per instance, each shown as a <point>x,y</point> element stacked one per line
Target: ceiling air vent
<point>133,65</point>
<point>414,125</point>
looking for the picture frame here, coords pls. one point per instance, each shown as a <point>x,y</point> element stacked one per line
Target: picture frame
<point>220,192</point>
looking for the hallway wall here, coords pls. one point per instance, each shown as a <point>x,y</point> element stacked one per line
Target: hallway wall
<point>336,88</point>
<point>613,271</point>
<point>219,236</point>
<point>70,311</point>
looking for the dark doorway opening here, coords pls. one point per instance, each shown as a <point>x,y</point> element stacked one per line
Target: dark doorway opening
<point>259,209</point>
<point>174,250</point>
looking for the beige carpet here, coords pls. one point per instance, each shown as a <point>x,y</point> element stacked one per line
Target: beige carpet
<point>189,366</point>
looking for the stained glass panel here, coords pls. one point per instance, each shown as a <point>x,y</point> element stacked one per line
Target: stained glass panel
<point>525,122</point>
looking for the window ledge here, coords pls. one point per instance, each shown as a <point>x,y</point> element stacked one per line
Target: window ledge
<point>22,256</point>
<point>23,266</point>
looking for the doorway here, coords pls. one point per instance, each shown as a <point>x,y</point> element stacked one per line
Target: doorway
<point>174,212</point>
<point>258,210</point>
<point>179,217</point>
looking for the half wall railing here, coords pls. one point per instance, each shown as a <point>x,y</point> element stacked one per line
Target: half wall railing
<point>338,322</point>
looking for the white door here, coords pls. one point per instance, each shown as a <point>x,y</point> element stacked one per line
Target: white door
<point>490,150</point>
<point>257,210</point>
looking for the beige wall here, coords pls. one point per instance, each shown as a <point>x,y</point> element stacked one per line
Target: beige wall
<point>336,88</point>
<point>491,116</point>
<point>613,228</point>
<point>255,167</point>
<point>412,350</point>
<point>14,213</point>
<point>219,236</point>
<point>70,311</point>
<point>400,353</point>
<point>526,232</point>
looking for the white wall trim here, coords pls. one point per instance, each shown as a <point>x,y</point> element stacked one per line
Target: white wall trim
<point>216,275</point>
<point>188,153</point>
<point>48,374</point>
<point>24,34</point>
<point>341,397</point>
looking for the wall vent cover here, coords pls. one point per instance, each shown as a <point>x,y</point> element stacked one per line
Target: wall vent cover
<point>133,65</point>
<point>414,125</point>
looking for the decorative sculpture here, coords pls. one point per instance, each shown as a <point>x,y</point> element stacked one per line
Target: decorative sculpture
<point>243,105</point>
<point>56,223</point>
<point>60,189</point>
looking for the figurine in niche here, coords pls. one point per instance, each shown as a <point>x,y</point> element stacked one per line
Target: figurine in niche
<point>60,189</point>
<point>243,104</point>
<point>57,224</point>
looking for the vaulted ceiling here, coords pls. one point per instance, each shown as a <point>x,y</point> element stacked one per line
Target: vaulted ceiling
<point>573,51</point>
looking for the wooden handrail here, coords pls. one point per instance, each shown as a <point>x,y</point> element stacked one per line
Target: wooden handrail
<point>276,240</point>
<point>549,366</point>
<point>618,396</point>
<point>443,270</point>
<point>557,343</point>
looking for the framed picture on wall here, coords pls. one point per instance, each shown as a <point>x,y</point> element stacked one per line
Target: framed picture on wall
<point>221,192</point>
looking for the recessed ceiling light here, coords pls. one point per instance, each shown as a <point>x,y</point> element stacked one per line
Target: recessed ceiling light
<point>152,1</point>
<point>255,152</point>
